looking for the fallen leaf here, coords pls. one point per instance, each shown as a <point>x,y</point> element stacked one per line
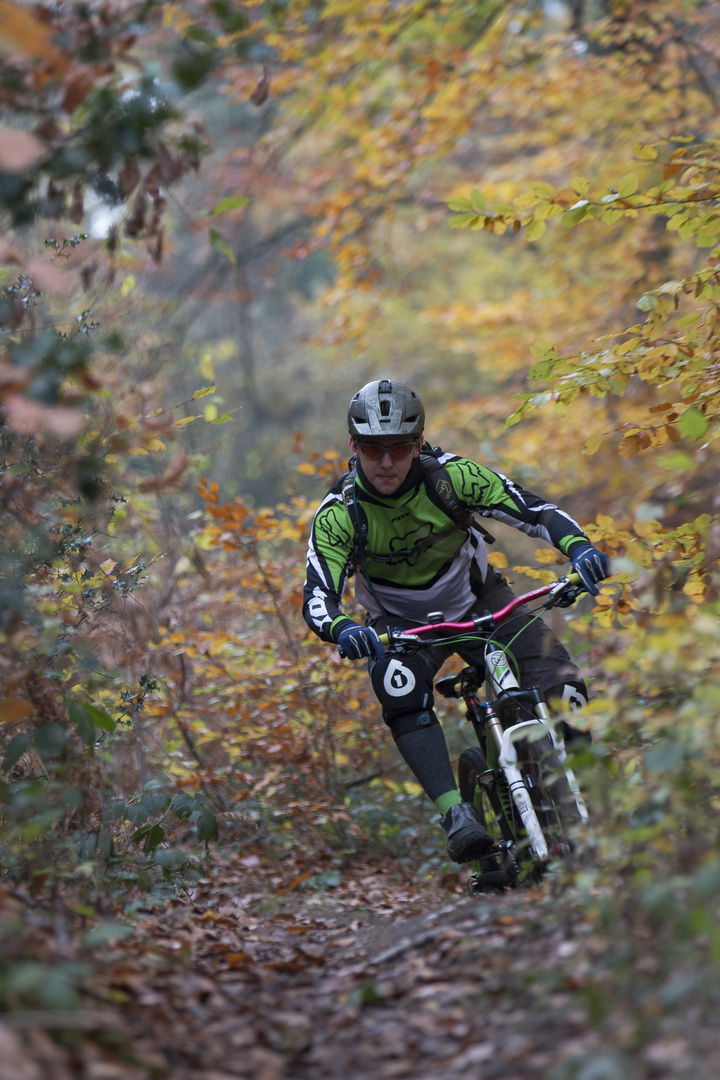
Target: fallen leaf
<point>29,417</point>
<point>19,150</point>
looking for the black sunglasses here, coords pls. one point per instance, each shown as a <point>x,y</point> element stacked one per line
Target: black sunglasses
<point>395,450</point>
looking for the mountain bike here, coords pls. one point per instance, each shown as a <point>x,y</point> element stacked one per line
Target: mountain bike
<point>518,776</point>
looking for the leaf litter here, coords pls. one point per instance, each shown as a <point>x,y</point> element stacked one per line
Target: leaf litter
<point>375,978</point>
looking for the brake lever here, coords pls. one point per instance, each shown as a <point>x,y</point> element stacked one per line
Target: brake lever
<point>564,595</point>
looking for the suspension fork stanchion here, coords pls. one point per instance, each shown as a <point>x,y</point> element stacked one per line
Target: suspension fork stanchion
<point>516,784</point>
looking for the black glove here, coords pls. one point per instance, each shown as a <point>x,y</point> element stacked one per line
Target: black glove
<point>357,641</point>
<point>592,566</point>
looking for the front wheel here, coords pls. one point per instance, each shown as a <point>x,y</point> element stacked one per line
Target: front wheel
<point>477,783</point>
<point>552,797</point>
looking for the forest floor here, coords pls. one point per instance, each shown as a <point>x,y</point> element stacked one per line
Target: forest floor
<point>374,978</point>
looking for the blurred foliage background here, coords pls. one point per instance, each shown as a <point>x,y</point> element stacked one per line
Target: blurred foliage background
<point>219,220</point>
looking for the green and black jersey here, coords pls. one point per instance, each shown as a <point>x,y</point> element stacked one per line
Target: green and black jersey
<point>408,582</point>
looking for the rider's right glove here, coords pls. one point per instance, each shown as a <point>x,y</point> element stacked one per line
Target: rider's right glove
<point>591,565</point>
<point>357,641</point>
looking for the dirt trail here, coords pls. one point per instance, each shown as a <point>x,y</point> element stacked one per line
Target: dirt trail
<point>431,988</point>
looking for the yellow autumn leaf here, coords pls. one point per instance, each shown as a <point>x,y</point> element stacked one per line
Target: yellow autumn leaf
<point>593,444</point>
<point>548,555</point>
<point>185,420</point>
<point>155,444</point>
<point>621,350</point>
<point>138,451</point>
<point>695,590</point>
<point>497,559</point>
<point>535,228</point>
<point>544,576</point>
<point>307,468</point>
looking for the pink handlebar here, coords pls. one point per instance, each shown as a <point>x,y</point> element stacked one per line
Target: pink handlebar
<point>497,618</point>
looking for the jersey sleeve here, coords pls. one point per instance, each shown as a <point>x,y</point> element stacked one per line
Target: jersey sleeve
<point>332,539</point>
<point>493,495</point>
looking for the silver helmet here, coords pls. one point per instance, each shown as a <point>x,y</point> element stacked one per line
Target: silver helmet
<point>385,408</point>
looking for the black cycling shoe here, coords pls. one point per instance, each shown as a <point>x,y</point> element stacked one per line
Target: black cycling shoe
<point>467,839</point>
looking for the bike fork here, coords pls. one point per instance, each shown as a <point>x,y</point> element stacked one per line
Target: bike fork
<point>516,785</point>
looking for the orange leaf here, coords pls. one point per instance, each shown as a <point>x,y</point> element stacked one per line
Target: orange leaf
<point>22,32</point>
<point>14,709</point>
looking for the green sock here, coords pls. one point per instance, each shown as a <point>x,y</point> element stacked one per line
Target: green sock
<point>450,798</point>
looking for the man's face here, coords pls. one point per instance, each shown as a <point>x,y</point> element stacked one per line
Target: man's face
<point>386,473</point>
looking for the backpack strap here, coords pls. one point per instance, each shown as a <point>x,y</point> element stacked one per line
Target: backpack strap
<point>437,479</point>
<point>352,506</point>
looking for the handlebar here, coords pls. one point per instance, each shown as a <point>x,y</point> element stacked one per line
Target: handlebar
<point>489,621</point>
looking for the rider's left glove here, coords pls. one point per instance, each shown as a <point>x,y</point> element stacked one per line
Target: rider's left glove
<point>356,641</point>
<point>591,565</point>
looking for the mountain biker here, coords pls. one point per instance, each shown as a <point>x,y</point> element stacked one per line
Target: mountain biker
<point>416,558</point>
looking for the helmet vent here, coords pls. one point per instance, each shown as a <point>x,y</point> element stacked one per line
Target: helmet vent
<point>385,408</point>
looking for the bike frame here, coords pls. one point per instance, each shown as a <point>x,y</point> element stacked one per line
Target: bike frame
<point>499,679</point>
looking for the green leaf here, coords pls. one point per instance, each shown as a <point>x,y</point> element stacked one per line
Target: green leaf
<point>628,185</point>
<point>207,825</point>
<point>693,424</point>
<point>542,370</point>
<point>459,202</point>
<point>205,391</point>
<point>581,185</point>
<point>170,858</point>
<point>574,216</point>
<point>80,717</point>
<point>231,203</point>
<point>183,805</point>
<point>535,228</point>
<point>220,245</point>
<point>155,836</point>
<point>49,739</point>
<point>478,200</point>
<point>618,384</point>
<point>100,718</point>
<point>678,460</point>
<point>461,220</point>
<point>107,933</point>
<point>152,801</point>
<point>542,191</point>
<point>544,350</point>
<point>706,238</point>
<point>647,302</point>
<point>193,65</point>
<point>666,754</point>
<point>224,418</point>
<point>15,750</point>
<point>593,444</point>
